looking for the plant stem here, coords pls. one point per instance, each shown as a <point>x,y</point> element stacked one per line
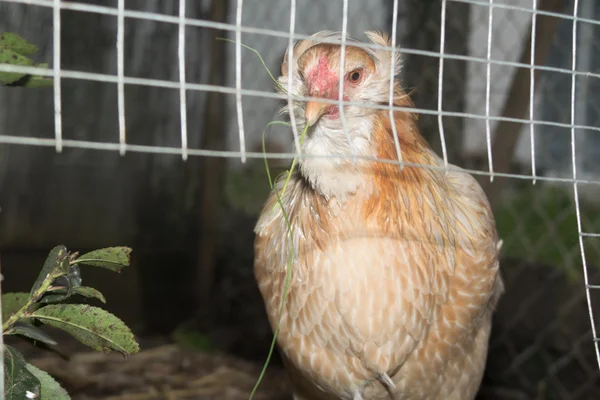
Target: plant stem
<point>285,217</point>
<point>291,171</point>
<point>26,309</point>
<point>288,273</point>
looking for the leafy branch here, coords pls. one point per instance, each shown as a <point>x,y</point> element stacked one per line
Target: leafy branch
<point>22,313</point>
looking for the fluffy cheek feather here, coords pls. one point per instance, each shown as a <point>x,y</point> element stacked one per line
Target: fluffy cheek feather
<point>298,90</point>
<point>329,168</point>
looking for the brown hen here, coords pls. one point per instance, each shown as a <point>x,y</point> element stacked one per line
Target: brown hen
<point>395,272</point>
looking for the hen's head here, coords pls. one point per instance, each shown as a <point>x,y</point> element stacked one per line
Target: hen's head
<point>315,72</point>
<point>365,76</point>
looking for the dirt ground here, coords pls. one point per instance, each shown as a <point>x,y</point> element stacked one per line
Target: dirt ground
<point>161,371</point>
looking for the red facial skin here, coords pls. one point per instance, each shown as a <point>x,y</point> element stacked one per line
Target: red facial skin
<point>324,83</point>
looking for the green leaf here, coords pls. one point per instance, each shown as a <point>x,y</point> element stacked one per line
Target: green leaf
<point>26,80</point>
<point>113,258</point>
<point>13,50</point>
<point>16,43</point>
<point>18,381</point>
<point>51,390</point>
<point>63,294</point>
<point>51,268</point>
<point>11,57</point>
<point>10,77</point>
<point>36,81</point>
<point>32,332</point>
<point>11,303</point>
<point>55,298</point>
<point>89,292</point>
<point>14,58</point>
<point>92,326</point>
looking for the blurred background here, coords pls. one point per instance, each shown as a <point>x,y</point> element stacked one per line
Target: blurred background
<point>191,222</point>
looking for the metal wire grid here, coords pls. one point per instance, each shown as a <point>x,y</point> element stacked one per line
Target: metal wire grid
<point>238,29</point>
<point>239,92</point>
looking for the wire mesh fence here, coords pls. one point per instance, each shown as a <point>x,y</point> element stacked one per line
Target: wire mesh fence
<point>135,79</point>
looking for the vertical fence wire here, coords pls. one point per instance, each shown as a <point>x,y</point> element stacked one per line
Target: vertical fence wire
<point>488,84</point>
<point>238,79</point>
<point>56,34</point>
<point>532,89</point>
<point>291,67</point>
<point>441,83</point>
<point>182,80</point>
<point>121,75</point>
<point>342,79</point>
<point>393,67</point>
<point>575,184</point>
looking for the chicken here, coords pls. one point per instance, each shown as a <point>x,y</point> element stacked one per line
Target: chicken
<point>395,274</point>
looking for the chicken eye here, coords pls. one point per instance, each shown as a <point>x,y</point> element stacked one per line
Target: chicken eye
<point>354,76</point>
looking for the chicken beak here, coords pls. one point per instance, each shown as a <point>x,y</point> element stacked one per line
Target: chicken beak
<point>314,111</point>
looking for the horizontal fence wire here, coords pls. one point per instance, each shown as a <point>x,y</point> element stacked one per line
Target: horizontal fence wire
<point>149,16</point>
<point>98,77</point>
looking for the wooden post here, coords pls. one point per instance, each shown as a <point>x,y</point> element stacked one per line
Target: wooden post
<point>211,169</point>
